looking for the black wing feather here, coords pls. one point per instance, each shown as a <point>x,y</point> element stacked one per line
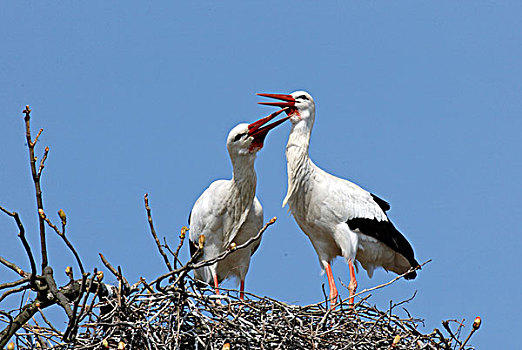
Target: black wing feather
<point>385,232</point>
<point>193,247</point>
<point>256,245</point>
<point>385,206</point>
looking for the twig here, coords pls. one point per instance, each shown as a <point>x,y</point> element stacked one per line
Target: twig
<point>64,238</point>
<point>85,311</point>
<point>14,283</point>
<point>91,281</point>
<point>147,286</point>
<point>474,328</point>
<point>49,323</point>
<point>27,247</point>
<point>14,267</point>
<point>120,289</point>
<point>448,329</point>
<point>392,281</point>
<point>182,236</point>
<point>114,272</point>
<point>42,162</point>
<point>193,266</point>
<point>153,231</point>
<point>36,179</point>
<point>444,340</point>
<point>12,291</point>
<point>9,317</point>
<point>72,327</point>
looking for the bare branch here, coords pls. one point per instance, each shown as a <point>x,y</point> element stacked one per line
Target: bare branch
<point>450,332</point>
<point>59,297</point>
<point>114,271</point>
<point>182,236</point>
<point>36,179</point>
<point>474,328</point>
<point>391,281</point>
<point>14,267</point>
<point>27,247</point>
<point>63,237</point>
<point>13,291</point>
<point>25,315</point>
<point>14,283</point>
<point>42,162</point>
<point>192,266</point>
<point>86,310</point>
<point>153,231</point>
<point>72,327</point>
<point>49,323</point>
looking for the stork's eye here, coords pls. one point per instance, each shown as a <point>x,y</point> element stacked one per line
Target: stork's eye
<point>303,97</point>
<point>239,136</point>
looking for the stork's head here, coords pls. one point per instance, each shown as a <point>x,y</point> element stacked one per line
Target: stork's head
<point>249,138</point>
<point>300,104</point>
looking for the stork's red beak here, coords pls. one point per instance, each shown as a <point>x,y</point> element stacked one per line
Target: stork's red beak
<point>289,100</point>
<point>259,132</point>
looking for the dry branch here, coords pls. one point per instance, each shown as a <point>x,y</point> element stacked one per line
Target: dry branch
<point>153,232</point>
<point>43,289</point>
<point>36,179</point>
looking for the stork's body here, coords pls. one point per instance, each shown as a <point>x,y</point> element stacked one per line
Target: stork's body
<point>339,217</point>
<point>228,211</point>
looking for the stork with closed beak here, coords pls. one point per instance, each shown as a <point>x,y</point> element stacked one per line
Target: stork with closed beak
<point>228,212</point>
<point>339,217</point>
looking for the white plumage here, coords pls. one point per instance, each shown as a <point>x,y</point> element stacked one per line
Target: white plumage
<point>339,217</point>
<point>228,212</point>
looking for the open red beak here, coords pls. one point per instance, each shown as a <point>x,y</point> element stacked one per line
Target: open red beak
<point>289,100</point>
<point>259,132</point>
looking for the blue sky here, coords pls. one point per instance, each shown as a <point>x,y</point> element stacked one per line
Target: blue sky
<point>418,102</point>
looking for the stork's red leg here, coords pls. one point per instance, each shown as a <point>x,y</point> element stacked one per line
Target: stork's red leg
<point>216,287</point>
<point>352,286</point>
<point>242,290</point>
<point>216,284</point>
<point>331,283</point>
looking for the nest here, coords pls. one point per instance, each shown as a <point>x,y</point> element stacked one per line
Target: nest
<point>183,316</point>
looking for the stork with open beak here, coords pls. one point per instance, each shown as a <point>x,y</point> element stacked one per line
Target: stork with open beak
<point>228,211</point>
<point>339,217</point>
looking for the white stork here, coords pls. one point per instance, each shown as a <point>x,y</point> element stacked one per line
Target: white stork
<point>228,211</point>
<point>339,217</point>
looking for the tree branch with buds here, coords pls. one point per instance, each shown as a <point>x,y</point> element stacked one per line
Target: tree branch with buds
<point>44,285</point>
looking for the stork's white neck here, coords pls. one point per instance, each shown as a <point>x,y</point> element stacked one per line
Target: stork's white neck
<point>244,176</point>
<point>298,163</point>
<point>299,139</point>
<point>240,195</point>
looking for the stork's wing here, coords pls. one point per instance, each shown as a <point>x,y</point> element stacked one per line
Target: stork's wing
<point>366,213</point>
<point>385,232</point>
<point>257,217</point>
<point>206,215</point>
